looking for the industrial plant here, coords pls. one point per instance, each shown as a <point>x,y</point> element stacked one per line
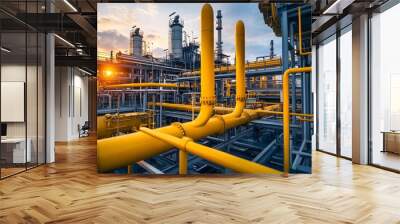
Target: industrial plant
<point>194,112</point>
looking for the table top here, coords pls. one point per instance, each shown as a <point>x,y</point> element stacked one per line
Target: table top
<point>391,132</point>
<point>13,140</point>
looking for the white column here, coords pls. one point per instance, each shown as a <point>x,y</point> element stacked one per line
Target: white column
<point>360,89</point>
<point>50,98</point>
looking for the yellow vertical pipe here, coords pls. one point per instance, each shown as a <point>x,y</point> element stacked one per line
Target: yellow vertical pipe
<point>228,87</point>
<point>286,123</point>
<point>129,169</point>
<point>286,116</point>
<point>240,70</point>
<point>207,82</point>
<point>182,162</point>
<point>300,33</point>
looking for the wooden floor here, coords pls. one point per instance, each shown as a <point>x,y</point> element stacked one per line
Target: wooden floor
<point>387,159</point>
<point>5,172</point>
<point>70,191</point>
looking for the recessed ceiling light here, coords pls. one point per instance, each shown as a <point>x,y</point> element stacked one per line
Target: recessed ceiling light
<point>64,40</point>
<point>338,6</point>
<point>86,72</point>
<point>5,50</point>
<point>70,5</point>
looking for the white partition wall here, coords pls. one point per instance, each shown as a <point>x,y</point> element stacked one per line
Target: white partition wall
<point>14,143</point>
<point>22,78</point>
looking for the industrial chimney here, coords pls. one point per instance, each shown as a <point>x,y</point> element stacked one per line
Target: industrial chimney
<point>219,40</point>
<point>136,42</point>
<point>175,38</point>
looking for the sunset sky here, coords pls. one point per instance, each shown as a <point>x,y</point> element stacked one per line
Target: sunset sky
<point>116,19</point>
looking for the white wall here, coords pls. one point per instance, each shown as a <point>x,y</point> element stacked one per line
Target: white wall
<point>71,102</point>
<point>62,82</point>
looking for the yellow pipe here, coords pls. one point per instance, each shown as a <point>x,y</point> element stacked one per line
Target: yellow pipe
<point>240,81</point>
<point>109,124</point>
<point>224,110</point>
<point>286,116</point>
<point>182,162</point>
<point>215,156</point>
<point>273,12</point>
<point>137,85</point>
<point>305,119</point>
<point>281,112</point>
<point>228,88</point>
<point>274,62</point>
<point>300,34</point>
<point>207,82</point>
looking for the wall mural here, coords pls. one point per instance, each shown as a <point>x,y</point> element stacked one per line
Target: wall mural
<point>204,88</point>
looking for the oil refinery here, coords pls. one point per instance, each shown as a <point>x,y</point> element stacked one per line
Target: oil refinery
<point>196,110</point>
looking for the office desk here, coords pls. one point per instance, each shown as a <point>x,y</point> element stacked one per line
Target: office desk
<point>391,141</point>
<point>13,150</point>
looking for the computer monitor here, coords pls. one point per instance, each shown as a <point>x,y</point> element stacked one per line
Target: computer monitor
<point>3,129</point>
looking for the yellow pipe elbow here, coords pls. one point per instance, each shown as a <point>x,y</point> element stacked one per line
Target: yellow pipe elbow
<point>300,34</point>
<point>235,118</point>
<point>286,116</point>
<point>207,81</point>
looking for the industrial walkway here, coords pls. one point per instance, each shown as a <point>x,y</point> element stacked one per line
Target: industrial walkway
<point>71,191</point>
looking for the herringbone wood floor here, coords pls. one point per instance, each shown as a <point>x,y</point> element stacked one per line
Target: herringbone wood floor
<point>70,191</point>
